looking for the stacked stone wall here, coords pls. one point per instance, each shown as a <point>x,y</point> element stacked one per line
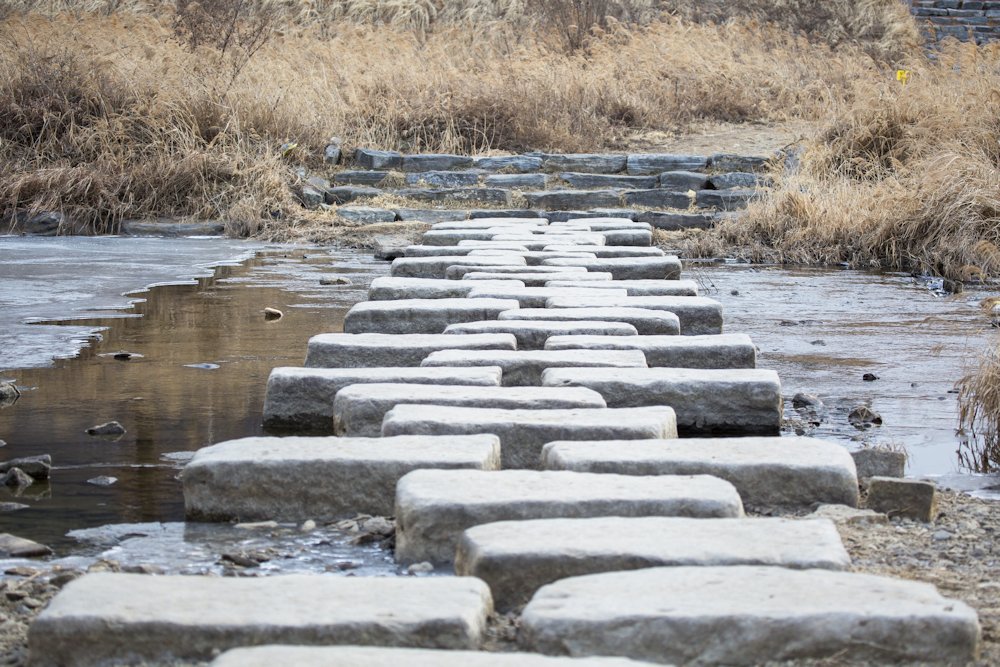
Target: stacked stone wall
<point>966,20</point>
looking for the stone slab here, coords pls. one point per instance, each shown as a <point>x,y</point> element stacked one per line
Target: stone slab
<point>421,316</point>
<point>572,199</point>
<point>359,410</point>
<point>323,478</point>
<point>489,223</point>
<point>479,213</point>
<point>699,316</point>
<point>457,272</point>
<point>673,221</point>
<point>538,297</point>
<point>442,179</point>
<point>523,433</point>
<point>533,334</point>
<point>534,181</point>
<point>510,163</point>
<point>451,237</point>
<point>722,351</point>
<point>591,163</point>
<point>503,281</point>
<point>430,215</point>
<point>434,162</point>
<point>776,471</point>
<point>525,368</point>
<point>627,268</point>
<point>367,158</point>
<point>749,615</point>
<point>585,181</point>
<point>601,224</point>
<point>434,507</point>
<point>302,398</point>
<point>374,350</point>
<point>107,618</point>
<point>655,163</point>
<point>657,198</point>
<point>726,200</point>
<point>457,250</point>
<point>632,287</point>
<point>613,251</point>
<point>388,288</point>
<point>682,181</point>
<point>516,558</point>
<point>437,267</point>
<point>646,322</point>
<point>367,656</point>
<point>538,242</point>
<point>536,257</point>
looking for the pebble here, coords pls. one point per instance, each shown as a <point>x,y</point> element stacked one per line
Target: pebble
<point>339,280</point>
<point>942,535</point>
<point>420,568</point>
<point>107,428</point>
<point>307,526</point>
<point>273,314</point>
<point>103,480</point>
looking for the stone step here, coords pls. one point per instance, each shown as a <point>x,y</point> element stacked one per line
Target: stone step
<point>698,316</point>
<point>458,251</point>
<point>359,410</point>
<point>521,280</point>
<point>458,271</point>
<point>588,181</point>
<point>667,267</point>
<point>421,316</point>
<point>537,297</point>
<point>508,163</point>
<point>615,251</point>
<point>375,350</point>
<point>537,243</point>
<point>591,163</point>
<point>682,181</point>
<point>523,433</point>
<point>656,163</point>
<point>367,656</point>
<point>533,334</point>
<point>603,224</point>
<point>434,507</point>
<point>749,615</point>
<point>631,287</point>
<point>103,618</point>
<point>517,181</point>
<point>535,257</point>
<point>726,200</point>
<point>360,177</point>
<point>646,322</point>
<point>366,215</point>
<point>437,267</point>
<point>707,401</point>
<point>388,288</point>
<point>786,472</point>
<point>516,558</point>
<point>721,351</point>
<point>573,199</point>
<point>489,223</point>
<point>431,216</point>
<point>672,221</point>
<point>657,198</point>
<point>451,237</point>
<point>525,368</point>
<point>442,179</point>
<point>293,479</point>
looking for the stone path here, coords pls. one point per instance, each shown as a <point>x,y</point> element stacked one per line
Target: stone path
<point>528,384</point>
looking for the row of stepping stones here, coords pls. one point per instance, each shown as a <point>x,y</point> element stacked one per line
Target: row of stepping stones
<point>559,422</point>
<point>664,190</point>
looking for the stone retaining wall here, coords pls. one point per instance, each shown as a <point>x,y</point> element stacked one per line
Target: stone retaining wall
<point>965,20</point>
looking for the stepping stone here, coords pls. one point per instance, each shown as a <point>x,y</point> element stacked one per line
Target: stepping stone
<point>524,368</point>
<point>501,281</point>
<point>628,237</point>
<point>523,433</point>
<point>736,179</point>
<point>374,350</point>
<point>437,267</point>
<point>511,163</point>
<point>646,322</point>
<point>533,334</point>
<point>603,224</point>
<point>537,297</point>
<point>516,558</point>
<point>110,617</point>
<point>388,288</point>
<point>539,241</point>
<point>366,215</point>
<point>708,401</point>
<point>536,257</point>
<point>699,316</point>
<point>458,250</point>
<point>632,287</point>
<point>359,410</point>
<point>572,199</point>
<point>367,656</point>
<point>626,268</point>
<point>457,272</point>
<point>489,223</point>
<point>479,213</point>
<point>577,215</point>
<point>451,237</point>
<point>434,507</point>
<point>722,351</point>
<point>786,472</point>
<point>430,216</point>
<point>613,251</point>
<point>672,221</point>
<point>749,615</point>
<point>360,177</point>
<point>655,163</point>
<point>302,398</point>
<point>292,479</point>
<point>421,316</point>
<point>591,163</point>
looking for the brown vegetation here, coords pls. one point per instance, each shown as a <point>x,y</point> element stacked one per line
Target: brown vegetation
<point>979,414</point>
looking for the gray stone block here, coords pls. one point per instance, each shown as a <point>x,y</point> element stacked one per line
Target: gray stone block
<point>669,221</point>
<point>667,267</point>
<point>484,195</point>
<point>516,558</point>
<point>602,224</point>
<point>596,181</point>
<point>538,242</point>
<point>565,216</point>
<point>907,498</point>
<point>456,251</point>
<point>537,181</point>
<point>875,462</point>
<point>377,350</point>
<point>632,287</point>
<point>682,181</point>
<point>533,280</point>
<point>437,267</point>
<point>293,479</point>
<point>434,162</point>
<point>699,316</point>
<point>749,615</point>
<point>476,214</point>
<point>366,215</point>
<point>372,178</point>
<point>451,237</point>
<point>731,162</point>
<point>572,199</point>
<point>721,351</point>
<point>442,179</point>
<point>657,198</point>
<point>134,618</point>
<point>458,272</point>
<point>655,163</point>
<point>434,507</point>
<point>489,223</point>
<point>533,334</point>
<point>345,194</point>
<point>389,289</point>
<point>510,163</point>
<point>360,410</point>
<point>628,237</point>
<point>613,251</point>
<point>583,162</point>
<point>372,159</point>
<point>786,472</point>
<point>302,398</point>
<point>646,322</point>
<point>707,401</point>
<point>421,316</point>
<point>737,179</point>
<point>430,216</point>
<point>536,257</point>
<point>524,368</point>
<point>726,200</point>
<point>537,297</point>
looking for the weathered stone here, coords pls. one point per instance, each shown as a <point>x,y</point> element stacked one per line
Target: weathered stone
<point>310,196</point>
<point>516,181</point>
<point>707,401</point>
<point>720,351</point>
<point>101,618</point>
<point>437,267</point>
<point>655,163</point>
<point>533,334</point>
<point>302,398</point>
<point>376,350</point>
<point>443,179</point>
<point>726,200</point>
<point>536,257</point>
<point>531,280</point>
<point>538,242</point>
<point>372,159</point>
<point>172,228</point>
<point>434,507</point>
<point>583,162</point>
<point>359,410</point>
<point>628,268</point>
<point>456,251</point>
<point>874,462</point>
<point>730,162</point>
<point>332,153</point>
<point>16,478</point>
<point>366,214</point>
<point>388,247</point>
<point>371,178</point>
<point>457,272</point>
<point>388,288</point>
<point>486,195</point>
<point>698,315</point>
<point>508,163</point>
<point>345,194</point>
<point>682,181</point>
<point>516,558</point>
<point>364,656</point>
<point>647,322</point>
<point>12,546</point>
<point>571,199</point>
<point>612,251</point>
<point>38,467</point>
<point>108,428</point>
<point>789,472</point>
<point>737,179</point>
<point>421,316</point>
<point>657,198</point>
<point>628,237</point>
<point>476,214</point>
<point>430,216</point>
<point>566,216</point>
<point>434,162</point>
<point>524,432</point>
<point>670,221</point>
<point>844,514</point>
<point>452,237</point>
<point>525,368</point>
<point>749,615</point>
<point>907,498</point>
<point>632,287</point>
<point>537,297</point>
<point>290,479</point>
<point>491,222</point>
<point>589,181</point>
<point>601,224</point>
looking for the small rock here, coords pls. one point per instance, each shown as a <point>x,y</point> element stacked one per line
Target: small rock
<point>735,292</point>
<point>379,526</point>
<point>337,280</point>
<point>142,568</point>
<point>307,526</point>
<point>258,525</point>
<point>125,356</point>
<point>864,417</point>
<point>311,197</point>
<point>61,579</point>
<point>103,480</point>
<point>273,314</point>
<point>9,392</point>
<point>818,342</point>
<point>941,536</point>
<point>107,428</point>
<point>32,603</point>
<point>802,401</point>
<point>12,546</point>
<point>37,467</point>
<point>869,377</point>
<point>331,154</point>
<point>905,498</point>
<point>848,515</point>
<point>345,565</point>
<point>15,595</point>
<point>420,568</point>
<point>240,559</point>
<point>3,443</point>
<point>16,478</point>
<point>874,462</point>
<point>21,571</point>
<point>12,507</point>
<point>203,366</point>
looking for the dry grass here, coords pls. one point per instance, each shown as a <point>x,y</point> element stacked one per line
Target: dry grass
<point>979,414</point>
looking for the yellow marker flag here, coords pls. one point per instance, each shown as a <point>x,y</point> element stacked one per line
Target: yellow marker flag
<point>903,76</point>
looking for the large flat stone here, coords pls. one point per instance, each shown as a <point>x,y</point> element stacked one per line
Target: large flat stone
<point>655,163</point>
<point>430,216</point>
<point>591,163</point>
<point>646,322</point>
<point>536,257</point>
<point>302,398</point>
<point>105,618</point>
<point>437,267</point>
<point>479,213</point>
<point>489,223</point>
<point>537,297</point>
<point>632,287</point>
<point>538,242</point>
<point>627,268</point>
<point>533,334</point>
<point>434,507</point>
<point>511,163</point>
<point>707,401</point>
<point>788,472</point>
<point>442,179</point>
<point>516,558</point>
<point>523,433</point>
<point>585,181</point>
<point>451,237</point>
<point>360,177</point>
<point>682,181</point>
<point>602,224</point>
<point>388,288</point>
<point>657,198</point>
<point>673,221</point>
<point>727,200</point>
<point>426,316</point>
<point>434,162</point>
<point>749,615</point>
<point>722,351</point>
<point>459,250</point>
<point>535,181</point>
<point>292,479</point>
<point>503,281</point>
<point>699,316</point>
<point>373,350</point>
<point>612,251</point>
<point>367,158</point>
<point>572,199</point>
<point>359,410</point>
<point>524,368</point>
<point>367,656</point>
<point>457,272</point>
